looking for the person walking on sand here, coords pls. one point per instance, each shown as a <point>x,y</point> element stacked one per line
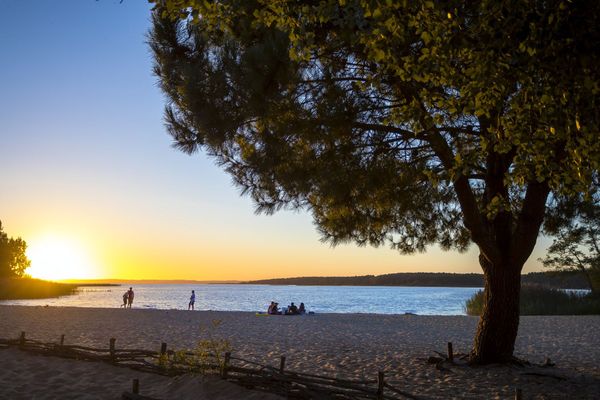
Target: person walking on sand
<point>130,295</point>
<point>192,301</point>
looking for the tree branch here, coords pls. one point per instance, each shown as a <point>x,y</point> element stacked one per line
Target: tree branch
<point>529,222</point>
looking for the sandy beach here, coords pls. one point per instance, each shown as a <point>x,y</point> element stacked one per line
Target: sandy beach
<point>343,345</point>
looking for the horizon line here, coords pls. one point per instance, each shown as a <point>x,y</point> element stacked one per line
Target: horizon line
<point>233,281</point>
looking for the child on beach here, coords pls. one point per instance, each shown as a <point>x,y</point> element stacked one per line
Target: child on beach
<point>125,297</point>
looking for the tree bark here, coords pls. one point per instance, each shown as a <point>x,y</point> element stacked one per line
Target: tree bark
<point>591,277</point>
<point>499,321</point>
<point>588,278</point>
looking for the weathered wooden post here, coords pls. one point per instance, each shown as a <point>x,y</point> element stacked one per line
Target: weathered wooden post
<point>135,386</point>
<point>518,394</point>
<point>450,352</point>
<point>112,349</point>
<point>225,366</point>
<point>281,364</point>
<point>22,339</point>
<point>62,339</point>
<point>162,358</point>
<point>380,383</point>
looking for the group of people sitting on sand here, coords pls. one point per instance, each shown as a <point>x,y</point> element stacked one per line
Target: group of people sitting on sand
<point>292,309</point>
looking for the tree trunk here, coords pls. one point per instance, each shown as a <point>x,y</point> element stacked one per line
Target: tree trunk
<point>589,281</point>
<point>499,321</point>
<point>589,276</point>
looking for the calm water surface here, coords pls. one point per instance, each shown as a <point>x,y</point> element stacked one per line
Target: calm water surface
<point>320,299</point>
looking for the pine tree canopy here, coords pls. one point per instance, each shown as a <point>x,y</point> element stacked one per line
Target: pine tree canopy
<point>400,122</point>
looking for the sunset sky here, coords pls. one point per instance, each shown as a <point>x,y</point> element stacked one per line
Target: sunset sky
<point>90,181</point>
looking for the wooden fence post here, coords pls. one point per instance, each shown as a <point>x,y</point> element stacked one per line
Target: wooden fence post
<point>225,365</point>
<point>62,339</point>
<point>281,364</point>
<point>450,352</point>
<point>135,387</point>
<point>518,394</point>
<point>22,339</point>
<point>380,383</point>
<point>112,349</point>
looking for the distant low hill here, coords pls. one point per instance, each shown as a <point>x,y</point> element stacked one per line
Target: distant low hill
<point>563,280</point>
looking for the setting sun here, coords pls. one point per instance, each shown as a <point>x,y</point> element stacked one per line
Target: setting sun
<point>58,258</point>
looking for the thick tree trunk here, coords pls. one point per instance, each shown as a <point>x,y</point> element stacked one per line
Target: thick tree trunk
<point>499,321</point>
<point>590,280</point>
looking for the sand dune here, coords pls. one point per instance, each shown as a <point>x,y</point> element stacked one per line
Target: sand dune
<point>344,345</point>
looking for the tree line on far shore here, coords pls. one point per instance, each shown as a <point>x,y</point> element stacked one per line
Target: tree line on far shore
<point>554,279</point>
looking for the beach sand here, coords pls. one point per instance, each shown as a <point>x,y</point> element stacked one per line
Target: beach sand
<point>343,345</point>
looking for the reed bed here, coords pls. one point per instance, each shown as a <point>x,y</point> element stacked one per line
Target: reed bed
<point>540,300</point>
<point>29,288</point>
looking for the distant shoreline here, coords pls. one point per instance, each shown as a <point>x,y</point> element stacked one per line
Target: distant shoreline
<point>120,282</point>
<point>558,280</point>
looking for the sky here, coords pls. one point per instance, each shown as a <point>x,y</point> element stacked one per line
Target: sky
<point>90,181</point>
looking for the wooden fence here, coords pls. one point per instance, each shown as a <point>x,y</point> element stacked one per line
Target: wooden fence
<point>247,373</point>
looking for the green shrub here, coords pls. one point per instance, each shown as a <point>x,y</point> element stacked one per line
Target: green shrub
<point>540,300</point>
<point>207,357</point>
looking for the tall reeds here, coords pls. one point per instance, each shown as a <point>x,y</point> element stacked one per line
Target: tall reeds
<point>28,288</point>
<point>541,300</point>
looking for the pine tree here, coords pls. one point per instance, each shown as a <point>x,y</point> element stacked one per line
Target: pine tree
<point>400,123</point>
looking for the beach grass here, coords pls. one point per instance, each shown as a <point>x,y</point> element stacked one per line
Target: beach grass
<point>29,288</point>
<point>541,300</point>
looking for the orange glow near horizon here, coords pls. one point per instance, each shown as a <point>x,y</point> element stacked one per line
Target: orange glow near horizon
<point>57,257</point>
<point>71,252</point>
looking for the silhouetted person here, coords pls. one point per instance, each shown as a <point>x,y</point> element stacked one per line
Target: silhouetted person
<point>130,295</point>
<point>192,301</point>
<point>292,309</point>
<point>125,298</point>
<point>301,309</point>
<point>273,310</point>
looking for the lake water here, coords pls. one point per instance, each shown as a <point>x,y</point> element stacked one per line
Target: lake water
<point>320,299</point>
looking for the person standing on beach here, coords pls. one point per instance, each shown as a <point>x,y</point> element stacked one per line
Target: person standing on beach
<point>125,299</point>
<point>192,301</point>
<point>130,295</point>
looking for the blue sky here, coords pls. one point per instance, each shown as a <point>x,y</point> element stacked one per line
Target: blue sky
<point>86,159</point>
